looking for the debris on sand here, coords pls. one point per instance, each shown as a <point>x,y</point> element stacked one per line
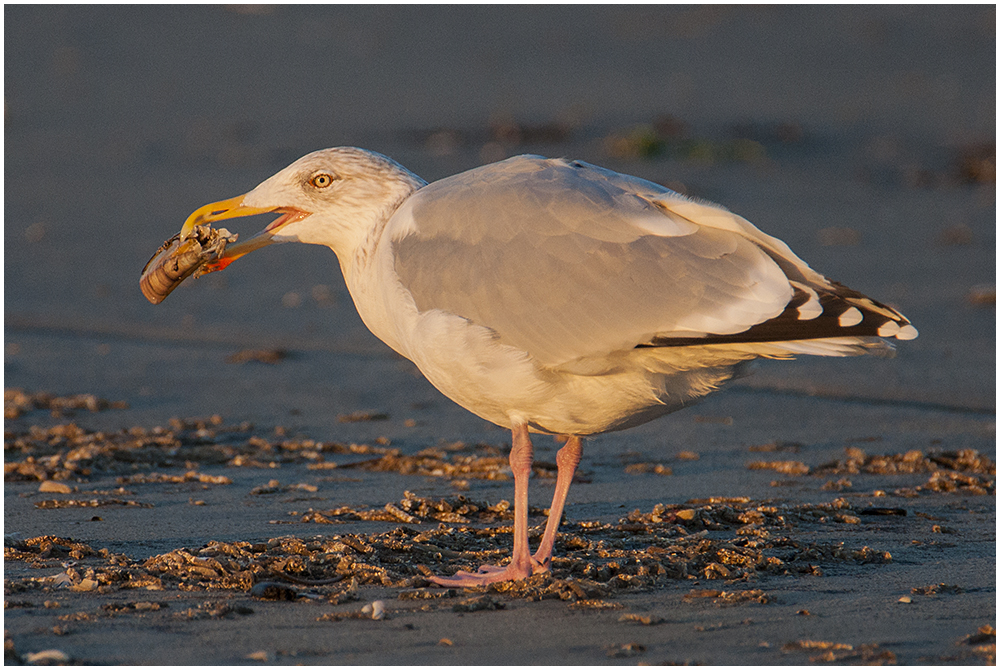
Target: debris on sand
<point>841,653</point>
<point>641,551</point>
<point>965,470</point>
<point>17,401</point>
<point>784,467</point>
<point>730,540</point>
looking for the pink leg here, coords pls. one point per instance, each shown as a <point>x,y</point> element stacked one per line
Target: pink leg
<point>521,564</point>
<point>567,459</point>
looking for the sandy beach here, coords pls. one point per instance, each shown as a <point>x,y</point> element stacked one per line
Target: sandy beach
<point>236,475</point>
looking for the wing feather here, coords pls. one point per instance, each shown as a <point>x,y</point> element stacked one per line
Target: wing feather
<point>565,260</point>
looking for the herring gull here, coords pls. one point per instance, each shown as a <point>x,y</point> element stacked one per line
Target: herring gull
<point>554,296</point>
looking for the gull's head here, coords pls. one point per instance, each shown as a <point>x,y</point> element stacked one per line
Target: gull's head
<point>334,197</point>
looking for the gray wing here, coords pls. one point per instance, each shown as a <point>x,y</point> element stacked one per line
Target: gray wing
<point>565,260</point>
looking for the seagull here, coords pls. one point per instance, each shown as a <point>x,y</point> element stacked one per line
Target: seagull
<point>553,296</point>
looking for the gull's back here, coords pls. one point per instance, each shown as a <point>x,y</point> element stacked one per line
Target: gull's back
<point>569,261</point>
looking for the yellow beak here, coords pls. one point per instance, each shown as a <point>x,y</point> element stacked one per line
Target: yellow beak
<point>231,209</point>
<point>218,211</point>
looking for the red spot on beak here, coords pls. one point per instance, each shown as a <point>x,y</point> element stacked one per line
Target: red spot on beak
<point>216,265</point>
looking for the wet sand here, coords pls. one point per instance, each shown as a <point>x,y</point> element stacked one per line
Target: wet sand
<point>862,137</point>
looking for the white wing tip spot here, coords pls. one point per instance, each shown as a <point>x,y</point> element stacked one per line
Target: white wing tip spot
<point>906,332</point>
<point>809,310</point>
<point>888,329</point>
<point>851,317</point>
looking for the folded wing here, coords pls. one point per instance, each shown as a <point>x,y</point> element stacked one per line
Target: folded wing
<point>566,260</point>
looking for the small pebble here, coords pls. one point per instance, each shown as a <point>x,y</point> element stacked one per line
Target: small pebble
<point>645,619</point>
<point>445,642</point>
<point>85,585</point>
<point>49,486</point>
<point>625,650</point>
<point>376,609</point>
<point>47,657</point>
<point>906,599</point>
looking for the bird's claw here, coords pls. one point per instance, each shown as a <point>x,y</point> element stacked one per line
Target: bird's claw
<point>489,574</point>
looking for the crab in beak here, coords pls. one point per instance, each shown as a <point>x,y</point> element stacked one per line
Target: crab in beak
<point>231,209</point>
<point>199,248</point>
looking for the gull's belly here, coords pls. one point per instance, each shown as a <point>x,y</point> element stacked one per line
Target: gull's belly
<point>505,386</point>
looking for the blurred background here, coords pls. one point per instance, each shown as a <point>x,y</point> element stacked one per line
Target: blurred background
<point>862,136</point>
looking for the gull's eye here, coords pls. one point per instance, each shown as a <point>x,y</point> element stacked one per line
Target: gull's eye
<point>322,180</point>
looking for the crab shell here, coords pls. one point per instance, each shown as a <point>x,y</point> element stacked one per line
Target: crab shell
<point>179,258</point>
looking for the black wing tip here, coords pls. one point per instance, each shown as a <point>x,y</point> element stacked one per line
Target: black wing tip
<point>814,313</point>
